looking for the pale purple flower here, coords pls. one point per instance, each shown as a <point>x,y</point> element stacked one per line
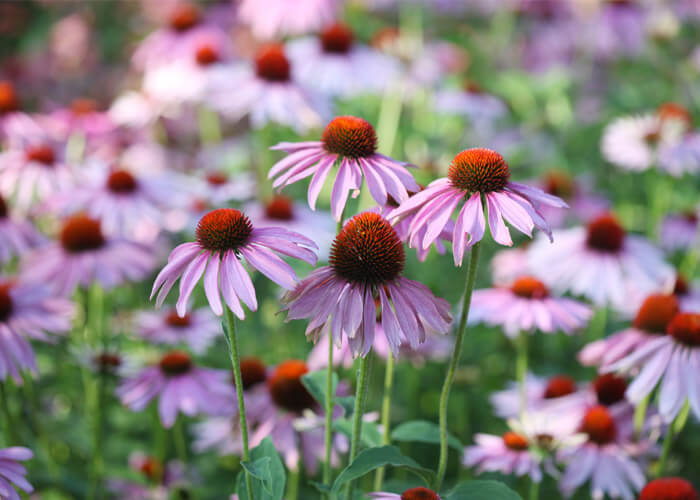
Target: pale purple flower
<point>271,19</point>
<point>682,157</point>
<point>578,192</point>
<point>366,262</point>
<point>180,386</point>
<point>680,231</point>
<point>351,143</point>
<point>419,493</point>
<point>335,64</point>
<point>688,294</point>
<point>81,117</point>
<point>28,311</point>
<point>161,478</point>
<point>479,107</point>
<point>12,472</point>
<point>481,176</point>
<point>616,29</point>
<point>525,306</point>
<point>17,236</point>
<point>224,236</point>
<point>198,329</point>
<point>601,262</point>
<point>508,454</point>
<point>673,362</point>
<point>83,255</point>
<point>539,393</point>
<point>266,92</point>
<point>509,264</point>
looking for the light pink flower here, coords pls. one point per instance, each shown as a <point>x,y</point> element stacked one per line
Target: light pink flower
<point>161,478</point>
<point>578,192</point>
<point>224,236</point>
<point>16,236</point>
<point>680,231</point>
<point>508,454</point>
<point>198,329</point>
<point>481,176</point>
<point>82,117</point>
<point>366,262</point>
<point>509,264</point>
<point>351,143</point>
<point>179,385</point>
<point>478,106</point>
<point>269,19</point>
<point>539,393</point>
<point>12,472</point>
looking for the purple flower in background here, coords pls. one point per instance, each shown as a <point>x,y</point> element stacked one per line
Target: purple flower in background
<point>198,329</point>
<point>223,237</point>
<point>82,117</point>
<point>83,255</point>
<point>12,472</point>
<point>271,19</point>
<point>539,393</point>
<point>366,262</point>
<point>28,311</point>
<point>179,385</point>
<point>352,143</point>
<point>680,231</point>
<point>16,235</point>
<point>482,176</point>
<point>508,454</point>
<point>419,493</point>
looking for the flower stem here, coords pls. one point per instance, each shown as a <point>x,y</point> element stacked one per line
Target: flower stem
<point>640,413</point>
<point>94,333</point>
<point>534,490</point>
<point>673,430</point>
<point>232,338</point>
<point>327,466</point>
<point>386,415</point>
<point>454,361</point>
<point>10,434</point>
<point>521,368</point>
<point>360,397</point>
<point>180,441</point>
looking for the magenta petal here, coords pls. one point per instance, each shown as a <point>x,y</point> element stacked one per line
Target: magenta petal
<point>341,189</point>
<point>499,231</point>
<point>271,266</point>
<point>374,183</point>
<point>291,160</point>
<point>415,202</point>
<point>514,213</point>
<point>390,324</point>
<point>439,220</point>
<point>189,280</point>
<point>177,261</point>
<point>211,285</point>
<point>228,291</point>
<point>241,282</point>
<point>316,184</point>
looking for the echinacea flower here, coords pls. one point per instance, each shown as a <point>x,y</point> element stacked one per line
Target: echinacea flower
<point>350,142</point>
<point>509,454</point>
<point>335,64</point>
<point>539,393</point>
<point>509,264</point>
<point>471,101</point>
<point>266,91</point>
<point>83,255</point>
<point>601,262</point>
<point>651,321</point>
<point>198,329</point>
<point>419,493</point>
<point>688,294</point>
<point>180,386</point>
<point>161,479</point>
<point>28,311</point>
<point>16,236</point>
<point>224,236</point>
<point>527,305</point>
<point>680,231</point>
<point>366,262</point>
<point>81,117</point>
<point>12,472</point>
<point>673,362</point>
<point>481,176</point>
<point>616,28</point>
<point>270,19</point>
<point>578,192</point>
<point>668,488</point>
<point>9,101</point>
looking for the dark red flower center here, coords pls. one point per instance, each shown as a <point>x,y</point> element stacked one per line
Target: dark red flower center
<point>206,55</point>
<point>479,170</point>
<point>253,372</point>
<point>669,488</point>
<point>223,229</point>
<point>609,388</point>
<point>286,388</point>
<point>529,288</point>
<point>515,441</point>
<point>41,154</point>
<point>652,137</point>
<point>685,328</point>
<point>81,233</point>
<point>152,469</point>
<point>3,208</point>
<point>656,312</point>
<point>184,17</point>
<point>605,234</point>
<point>350,136</point>
<point>472,87</point>
<point>175,363</point>
<point>691,216</point>
<point>419,493</point>
<point>559,386</point>
<point>271,63</point>
<point>367,250</point>
<point>8,97</point>
<point>559,184</point>
<point>681,287</point>
<point>217,179</point>
<point>280,207</point>
<point>674,111</point>
<point>599,425</point>
<point>337,39</point>
<point>5,301</point>
<point>121,182</point>
<point>107,361</point>
<point>177,321</point>
<point>83,106</point>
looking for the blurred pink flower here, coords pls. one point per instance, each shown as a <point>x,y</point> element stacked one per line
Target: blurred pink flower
<point>17,236</point>
<point>198,329</point>
<point>274,19</point>
<point>12,472</point>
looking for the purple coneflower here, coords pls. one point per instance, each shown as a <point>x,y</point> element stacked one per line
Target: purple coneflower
<point>28,311</point>
<point>578,193</point>
<point>482,176</point>
<point>508,454</point>
<point>160,478</point>
<point>539,393</point>
<point>82,117</point>
<point>180,385</point>
<point>269,19</point>
<point>198,329</point>
<point>419,493</point>
<point>680,231</point>
<point>224,236</point>
<point>16,236</point>
<point>366,261</point>
<point>352,143</point>
<point>83,255</point>
<point>471,101</point>
<point>12,472</point>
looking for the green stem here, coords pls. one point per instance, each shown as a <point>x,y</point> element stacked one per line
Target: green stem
<point>209,126</point>
<point>521,368</point>
<point>94,333</point>
<point>293,483</point>
<point>534,490</point>
<point>386,415</point>
<point>232,338</point>
<point>673,430</point>
<point>454,361</point>
<point>640,413</point>
<point>10,434</point>
<point>327,466</point>
<point>360,397</point>
<point>180,441</point>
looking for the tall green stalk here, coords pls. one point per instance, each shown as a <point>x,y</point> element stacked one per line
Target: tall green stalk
<point>521,368</point>
<point>386,415</point>
<point>454,361</point>
<point>327,466</point>
<point>10,434</point>
<point>360,399</point>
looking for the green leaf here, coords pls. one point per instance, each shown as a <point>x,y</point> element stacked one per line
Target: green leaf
<point>267,471</point>
<point>371,437</point>
<point>315,383</point>
<point>260,469</point>
<point>482,490</point>
<point>423,431</point>
<point>347,403</point>
<point>373,458</point>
